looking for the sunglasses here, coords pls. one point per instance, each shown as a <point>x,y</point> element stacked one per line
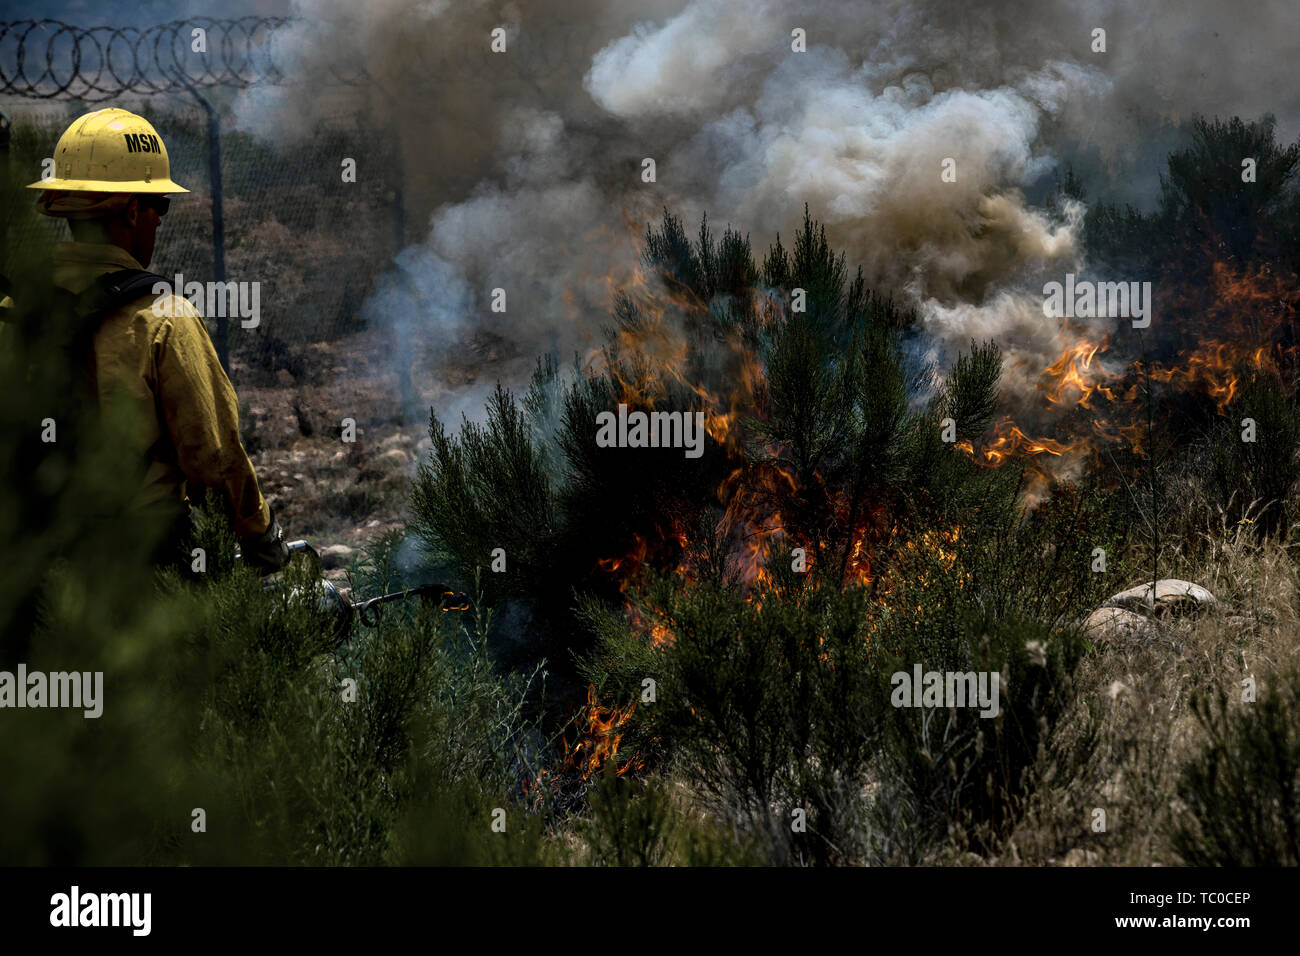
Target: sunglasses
<point>159,204</point>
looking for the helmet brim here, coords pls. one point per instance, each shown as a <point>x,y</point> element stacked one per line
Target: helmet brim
<point>154,187</point>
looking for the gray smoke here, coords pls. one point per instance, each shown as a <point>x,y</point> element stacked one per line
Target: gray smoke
<point>527,163</point>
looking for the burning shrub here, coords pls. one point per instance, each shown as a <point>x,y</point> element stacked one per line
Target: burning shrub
<point>1264,469</point>
<point>766,703</point>
<point>533,482</point>
<point>814,437</point>
<point>777,698</point>
<point>824,445</point>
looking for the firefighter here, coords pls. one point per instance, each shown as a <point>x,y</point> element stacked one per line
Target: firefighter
<point>111,182</point>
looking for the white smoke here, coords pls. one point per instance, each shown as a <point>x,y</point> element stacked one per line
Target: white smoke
<point>527,162</point>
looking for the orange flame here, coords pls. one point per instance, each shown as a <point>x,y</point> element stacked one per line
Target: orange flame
<point>599,741</point>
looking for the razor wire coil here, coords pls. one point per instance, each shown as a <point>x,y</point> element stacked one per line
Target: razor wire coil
<point>49,59</point>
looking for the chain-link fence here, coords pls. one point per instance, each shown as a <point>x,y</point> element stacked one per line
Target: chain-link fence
<point>285,218</point>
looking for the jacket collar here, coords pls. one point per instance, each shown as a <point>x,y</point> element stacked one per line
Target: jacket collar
<point>94,254</point>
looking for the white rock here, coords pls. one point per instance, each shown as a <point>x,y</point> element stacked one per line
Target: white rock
<point>1170,594</point>
<point>1118,624</point>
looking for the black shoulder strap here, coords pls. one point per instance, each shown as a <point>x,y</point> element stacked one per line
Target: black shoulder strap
<point>100,299</point>
<point>115,289</point>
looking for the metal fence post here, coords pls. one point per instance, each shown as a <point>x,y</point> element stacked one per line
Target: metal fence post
<point>218,230</point>
<point>222,341</point>
<point>4,178</point>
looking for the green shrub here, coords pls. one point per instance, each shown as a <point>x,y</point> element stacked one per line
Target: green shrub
<point>324,780</point>
<point>1242,791</point>
<point>951,774</point>
<point>635,821</point>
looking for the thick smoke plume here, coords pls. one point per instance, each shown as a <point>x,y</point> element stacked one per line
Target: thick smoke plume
<point>526,164</point>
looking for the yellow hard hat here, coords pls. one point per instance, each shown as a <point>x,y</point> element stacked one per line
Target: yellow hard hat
<point>111,151</point>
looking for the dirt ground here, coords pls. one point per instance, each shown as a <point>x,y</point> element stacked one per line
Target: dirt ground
<point>294,399</point>
<point>293,403</point>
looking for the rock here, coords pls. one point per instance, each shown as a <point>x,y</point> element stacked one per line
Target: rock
<point>335,556</point>
<point>1172,596</point>
<point>284,377</point>
<point>1118,624</point>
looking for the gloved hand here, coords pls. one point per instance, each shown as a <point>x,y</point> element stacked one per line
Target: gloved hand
<point>267,552</point>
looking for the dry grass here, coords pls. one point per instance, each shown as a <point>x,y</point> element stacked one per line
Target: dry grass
<point>1139,695</point>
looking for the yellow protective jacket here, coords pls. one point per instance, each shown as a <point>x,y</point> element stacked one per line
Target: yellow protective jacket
<point>167,371</point>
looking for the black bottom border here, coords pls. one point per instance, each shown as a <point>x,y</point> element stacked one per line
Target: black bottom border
<point>214,905</point>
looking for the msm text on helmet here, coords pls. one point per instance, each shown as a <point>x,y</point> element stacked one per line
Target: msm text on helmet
<point>142,143</point>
